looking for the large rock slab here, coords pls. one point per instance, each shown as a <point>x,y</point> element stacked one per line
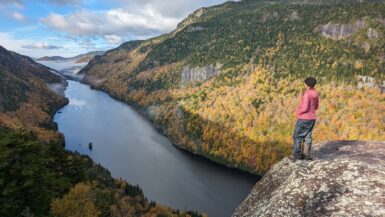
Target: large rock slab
<point>337,31</point>
<point>199,74</point>
<point>346,178</point>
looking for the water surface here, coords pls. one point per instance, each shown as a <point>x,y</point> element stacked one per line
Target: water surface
<point>127,144</point>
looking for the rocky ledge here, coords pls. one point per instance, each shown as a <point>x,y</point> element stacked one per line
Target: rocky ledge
<point>346,178</point>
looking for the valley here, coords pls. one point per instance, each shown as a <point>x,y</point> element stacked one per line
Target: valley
<point>224,84</point>
<point>129,146</point>
<point>191,119</point>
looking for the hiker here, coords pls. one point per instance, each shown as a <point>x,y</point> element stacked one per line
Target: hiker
<point>306,117</point>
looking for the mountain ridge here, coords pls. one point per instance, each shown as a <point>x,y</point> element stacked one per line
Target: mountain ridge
<point>28,99</point>
<point>263,51</point>
<point>78,58</point>
<point>38,176</point>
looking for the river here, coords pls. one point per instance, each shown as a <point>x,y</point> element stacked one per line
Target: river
<point>131,148</point>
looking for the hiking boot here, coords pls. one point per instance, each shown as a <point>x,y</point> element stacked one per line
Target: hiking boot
<point>293,158</point>
<point>308,158</point>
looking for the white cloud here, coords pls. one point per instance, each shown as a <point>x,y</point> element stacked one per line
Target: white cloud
<point>113,39</point>
<point>10,42</point>
<point>118,22</point>
<point>135,19</point>
<point>18,16</point>
<point>86,29</point>
<point>42,46</point>
<point>172,8</point>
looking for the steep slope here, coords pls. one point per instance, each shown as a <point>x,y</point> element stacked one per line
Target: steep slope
<point>346,178</point>
<point>27,99</point>
<point>38,177</point>
<point>43,179</point>
<point>225,83</point>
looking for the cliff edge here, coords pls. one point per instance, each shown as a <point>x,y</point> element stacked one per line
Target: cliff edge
<point>346,178</point>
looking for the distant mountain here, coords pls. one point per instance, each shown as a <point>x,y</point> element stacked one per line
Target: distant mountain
<point>53,58</point>
<point>82,58</point>
<point>38,176</point>
<point>225,83</point>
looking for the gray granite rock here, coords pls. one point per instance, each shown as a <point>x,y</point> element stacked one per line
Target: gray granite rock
<point>366,81</point>
<point>199,74</point>
<point>346,178</point>
<point>373,34</point>
<point>195,28</point>
<point>341,31</point>
<point>294,16</point>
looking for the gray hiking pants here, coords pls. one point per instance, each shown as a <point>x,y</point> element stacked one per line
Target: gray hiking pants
<point>303,133</point>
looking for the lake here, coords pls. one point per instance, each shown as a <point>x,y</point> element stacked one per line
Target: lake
<point>129,146</point>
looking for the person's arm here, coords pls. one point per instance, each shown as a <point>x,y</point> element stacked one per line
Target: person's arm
<point>317,104</point>
<point>304,105</point>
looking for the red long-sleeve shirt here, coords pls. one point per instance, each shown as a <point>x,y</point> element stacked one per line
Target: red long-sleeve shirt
<point>306,109</point>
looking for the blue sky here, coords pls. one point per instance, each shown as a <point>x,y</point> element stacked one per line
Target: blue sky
<point>69,27</point>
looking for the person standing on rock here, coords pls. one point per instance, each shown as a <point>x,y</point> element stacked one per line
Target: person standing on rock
<point>306,117</point>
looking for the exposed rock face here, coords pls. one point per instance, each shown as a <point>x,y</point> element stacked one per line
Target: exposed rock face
<point>366,81</point>
<point>268,16</point>
<point>195,28</point>
<point>346,178</point>
<point>192,17</point>
<point>294,16</point>
<point>153,111</point>
<point>341,31</point>
<point>373,34</point>
<point>366,46</point>
<point>199,74</point>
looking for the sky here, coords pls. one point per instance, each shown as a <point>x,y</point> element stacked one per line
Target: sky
<point>70,27</point>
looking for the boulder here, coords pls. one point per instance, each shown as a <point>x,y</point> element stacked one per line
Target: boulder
<point>294,16</point>
<point>366,81</point>
<point>346,178</point>
<point>372,34</point>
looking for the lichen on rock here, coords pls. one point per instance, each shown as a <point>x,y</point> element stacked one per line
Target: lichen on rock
<point>346,178</point>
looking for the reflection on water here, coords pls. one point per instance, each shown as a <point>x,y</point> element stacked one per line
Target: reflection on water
<point>77,103</point>
<point>128,145</point>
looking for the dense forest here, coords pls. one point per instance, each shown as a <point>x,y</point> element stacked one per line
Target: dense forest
<point>225,83</point>
<point>42,179</point>
<point>38,177</point>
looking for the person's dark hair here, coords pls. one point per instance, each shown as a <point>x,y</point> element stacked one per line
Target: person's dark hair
<point>311,82</point>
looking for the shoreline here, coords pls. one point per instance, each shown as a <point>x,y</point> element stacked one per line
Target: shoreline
<point>161,131</point>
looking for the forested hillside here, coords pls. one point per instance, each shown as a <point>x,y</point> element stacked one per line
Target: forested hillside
<point>42,179</point>
<point>225,83</point>
<point>38,177</point>
<point>26,101</point>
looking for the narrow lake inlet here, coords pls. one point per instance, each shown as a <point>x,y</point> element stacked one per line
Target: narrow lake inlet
<point>129,146</point>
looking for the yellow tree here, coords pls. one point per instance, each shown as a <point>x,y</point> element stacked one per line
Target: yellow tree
<point>78,202</point>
